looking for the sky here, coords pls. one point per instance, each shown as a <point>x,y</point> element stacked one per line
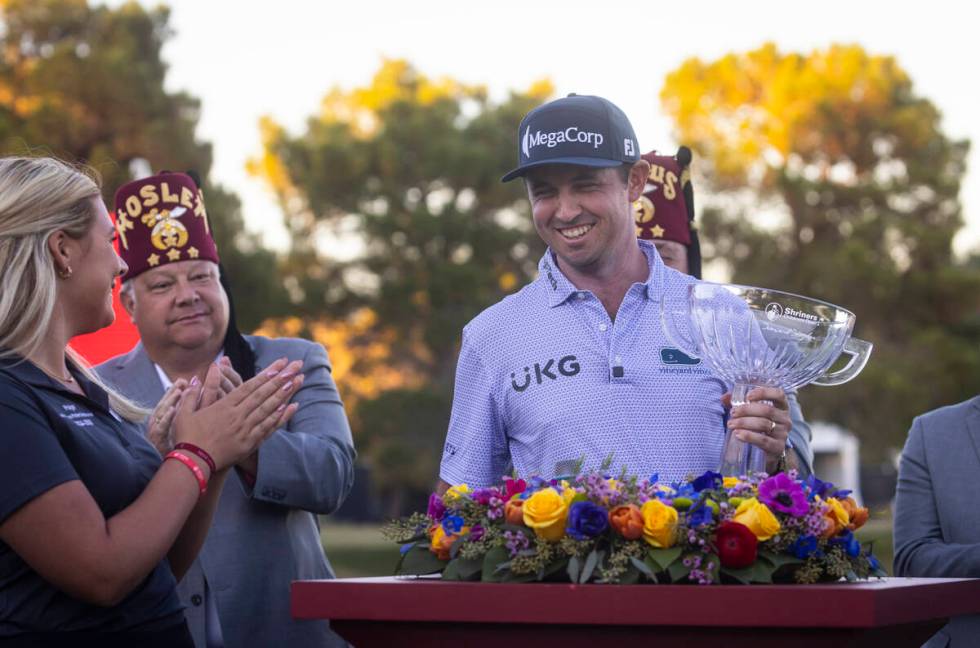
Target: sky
<point>245,59</point>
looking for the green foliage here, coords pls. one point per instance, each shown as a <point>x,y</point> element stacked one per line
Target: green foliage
<point>866,184</point>
<point>411,166</point>
<point>86,83</point>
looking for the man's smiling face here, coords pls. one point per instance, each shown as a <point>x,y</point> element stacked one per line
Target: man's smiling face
<point>583,213</point>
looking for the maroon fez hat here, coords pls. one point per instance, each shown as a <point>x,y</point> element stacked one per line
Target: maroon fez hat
<point>661,212</point>
<point>161,219</point>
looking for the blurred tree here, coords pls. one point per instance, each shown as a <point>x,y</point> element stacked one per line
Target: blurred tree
<point>86,83</point>
<point>836,148</point>
<point>393,200</point>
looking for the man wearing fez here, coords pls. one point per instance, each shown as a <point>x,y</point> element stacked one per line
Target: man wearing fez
<point>576,364</point>
<point>265,532</point>
<point>664,215</point>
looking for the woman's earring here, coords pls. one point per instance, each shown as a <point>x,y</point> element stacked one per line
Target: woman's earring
<point>66,273</point>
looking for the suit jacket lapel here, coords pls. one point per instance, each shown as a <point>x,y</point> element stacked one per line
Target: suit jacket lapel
<point>141,379</point>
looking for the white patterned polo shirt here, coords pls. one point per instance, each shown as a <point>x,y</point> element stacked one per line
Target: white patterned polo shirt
<point>545,378</point>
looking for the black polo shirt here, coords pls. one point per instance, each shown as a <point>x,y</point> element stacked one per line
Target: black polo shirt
<point>49,436</point>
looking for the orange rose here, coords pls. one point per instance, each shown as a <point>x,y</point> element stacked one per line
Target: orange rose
<point>627,520</point>
<point>835,518</point>
<point>514,511</point>
<point>441,542</point>
<point>858,515</point>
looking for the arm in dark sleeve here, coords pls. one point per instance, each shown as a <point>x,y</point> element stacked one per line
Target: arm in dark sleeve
<point>32,460</point>
<point>309,465</point>
<point>919,546</point>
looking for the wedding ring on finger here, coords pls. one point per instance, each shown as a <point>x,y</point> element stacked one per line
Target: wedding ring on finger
<point>772,426</point>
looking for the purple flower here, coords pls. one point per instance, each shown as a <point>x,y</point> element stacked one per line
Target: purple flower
<point>496,509</point>
<point>709,479</point>
<point>781,493</point>
<point>476,532</point>
<point>586,520</point>
<point>436,508</point>
<point>515,541</point>
<point>483,495</point>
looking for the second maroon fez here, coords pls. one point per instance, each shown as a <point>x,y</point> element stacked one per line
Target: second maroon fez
<point>161,219</point>
<point>665,211</point>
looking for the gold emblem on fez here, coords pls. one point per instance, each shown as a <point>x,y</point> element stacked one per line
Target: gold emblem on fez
<point>168,232</point>
<point>643,210</point>
<point>657,231</point>
<point>153,260</point>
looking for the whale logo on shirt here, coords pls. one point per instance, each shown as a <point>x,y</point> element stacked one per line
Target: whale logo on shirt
<point>670,356</point>
<point>565,366</point>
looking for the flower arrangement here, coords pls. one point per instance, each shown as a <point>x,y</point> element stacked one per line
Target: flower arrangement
<point>594,528</point>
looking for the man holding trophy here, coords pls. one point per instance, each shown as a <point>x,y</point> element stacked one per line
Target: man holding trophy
<point>577,364</point>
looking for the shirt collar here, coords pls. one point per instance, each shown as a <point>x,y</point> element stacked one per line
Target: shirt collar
<point>28,372</point>
<point>560,288</point>
<point>165,379</point>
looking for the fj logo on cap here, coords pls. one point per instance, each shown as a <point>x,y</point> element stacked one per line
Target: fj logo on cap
<point>628,147</point>
<point>554,138</point>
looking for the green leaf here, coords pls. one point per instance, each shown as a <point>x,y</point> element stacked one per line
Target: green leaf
<point>643,568</point>
<point>555,567</point>
<point>491,560</point>
<point>574,568</point>
<point>778,560</point>
<point>419,561</point>
<point>630,577</point>
<point>677,571</point>
<point>468,568</point>
<point>591,562</point>
<point>851,576</point>
<point>743,575</point>
<point>664,558</point>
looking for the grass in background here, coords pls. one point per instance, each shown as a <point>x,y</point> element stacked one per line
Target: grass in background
<point>357,550</point>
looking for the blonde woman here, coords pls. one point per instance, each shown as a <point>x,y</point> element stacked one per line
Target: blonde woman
<point>96,527</point>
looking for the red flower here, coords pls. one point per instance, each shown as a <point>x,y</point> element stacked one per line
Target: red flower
<point>736,545</point>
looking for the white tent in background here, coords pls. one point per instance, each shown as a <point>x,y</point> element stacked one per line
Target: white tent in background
<point>836,457</point>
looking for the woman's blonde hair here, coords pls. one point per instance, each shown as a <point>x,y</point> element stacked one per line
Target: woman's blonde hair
<point>38,197</point>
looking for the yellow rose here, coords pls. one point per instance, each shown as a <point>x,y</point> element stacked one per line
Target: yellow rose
<point>729,482</point>
<point>455,493</point>
<point>758,518</point>
<point>659,523</point>
<point>546,512</point>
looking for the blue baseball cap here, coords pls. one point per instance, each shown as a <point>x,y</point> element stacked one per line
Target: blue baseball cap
<point>577,129</point>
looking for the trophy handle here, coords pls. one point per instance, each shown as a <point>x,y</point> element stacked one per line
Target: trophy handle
<point>675,317</point>
<point>860,351</point>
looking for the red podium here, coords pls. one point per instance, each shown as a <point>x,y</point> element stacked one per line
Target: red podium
<point>425,611</point>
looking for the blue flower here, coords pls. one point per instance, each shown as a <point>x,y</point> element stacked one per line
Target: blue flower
<point>699,515</point>
<point>452,524</point>
<point>873,563</point>
<point>709,479</point>
<point>805,546</point>
<point>653,478</point>
<point>586,520</point>
<point>818,487</point>
<point>848,542</point>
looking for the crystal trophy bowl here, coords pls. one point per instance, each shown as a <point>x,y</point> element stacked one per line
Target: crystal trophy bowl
<point>760,337</point>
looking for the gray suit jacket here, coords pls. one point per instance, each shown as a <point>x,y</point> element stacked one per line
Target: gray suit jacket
<point>263,538</point>
<point>937,524</point>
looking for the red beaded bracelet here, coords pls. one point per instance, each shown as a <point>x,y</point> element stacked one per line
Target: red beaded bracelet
<point>200,452</point>
<point>202,483</point>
